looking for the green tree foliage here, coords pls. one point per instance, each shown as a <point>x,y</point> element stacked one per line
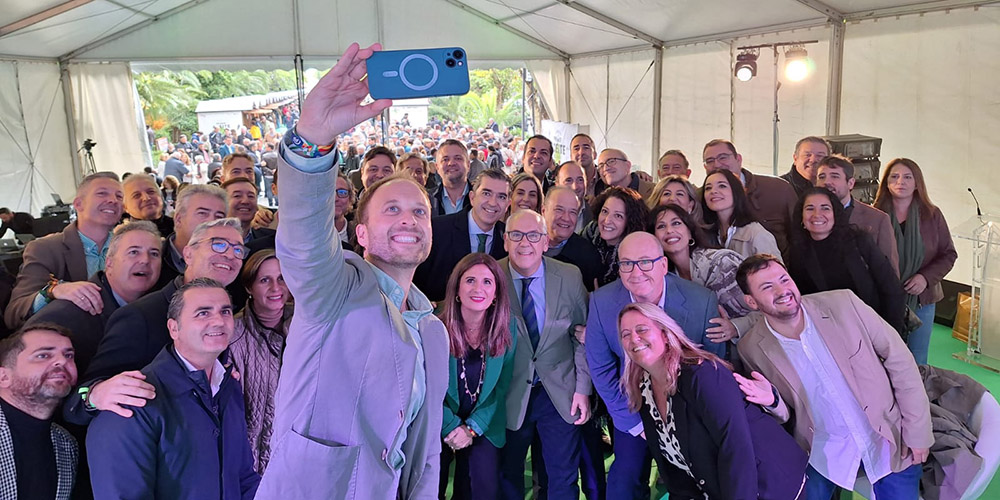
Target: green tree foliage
<point>165,95</point>
<point>493,93</point>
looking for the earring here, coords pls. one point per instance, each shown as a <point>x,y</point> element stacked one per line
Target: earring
<point>690,242</point>
<point>458,299</point>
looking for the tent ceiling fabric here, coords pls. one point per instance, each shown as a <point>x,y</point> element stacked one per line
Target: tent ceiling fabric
<point>489,29</point>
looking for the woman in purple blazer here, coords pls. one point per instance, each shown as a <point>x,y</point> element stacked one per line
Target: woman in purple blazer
<point>706,438</point>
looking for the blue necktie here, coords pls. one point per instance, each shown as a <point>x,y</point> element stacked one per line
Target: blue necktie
<point>528,311</point>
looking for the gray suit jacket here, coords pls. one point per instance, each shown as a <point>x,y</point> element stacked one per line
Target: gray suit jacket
<point>59,254</point>
<point>560,360</point>
<point>348,367</point>
<point>67,456</point>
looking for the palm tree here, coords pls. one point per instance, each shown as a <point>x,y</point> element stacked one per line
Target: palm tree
<point>476,110</point>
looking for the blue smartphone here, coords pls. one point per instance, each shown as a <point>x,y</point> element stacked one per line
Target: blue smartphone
<point>405,74</point>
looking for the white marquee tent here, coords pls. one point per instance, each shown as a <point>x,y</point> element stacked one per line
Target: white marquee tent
<point>645,75</point>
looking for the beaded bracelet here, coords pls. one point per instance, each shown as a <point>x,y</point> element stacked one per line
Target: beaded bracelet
<point>298,145</point>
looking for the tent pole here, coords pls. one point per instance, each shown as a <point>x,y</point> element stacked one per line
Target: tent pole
<point>774,133</point>
<point>67,88</point>
<point>567,74</point>
<point>836,82</point>
<point>524,108</point>
<point>657,95</point>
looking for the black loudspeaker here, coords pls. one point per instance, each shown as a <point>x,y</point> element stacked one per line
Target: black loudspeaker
<point>50,224</point>
<point>946,309</point>
<point>863,152</point>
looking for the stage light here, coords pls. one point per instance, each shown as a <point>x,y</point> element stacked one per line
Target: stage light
<point>797,64</point>
<point>746,66</point>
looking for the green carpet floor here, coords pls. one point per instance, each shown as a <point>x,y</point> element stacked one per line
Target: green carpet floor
<point>941,350</point>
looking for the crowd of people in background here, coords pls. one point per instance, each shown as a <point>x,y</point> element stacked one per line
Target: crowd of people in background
<point>452,297</point>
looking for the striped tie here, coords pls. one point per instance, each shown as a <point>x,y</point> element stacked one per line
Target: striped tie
<point>528,311</point>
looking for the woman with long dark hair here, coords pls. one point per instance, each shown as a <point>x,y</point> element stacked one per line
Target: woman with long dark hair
<point>829,254</point>
<point>727,215</point>
<point>482,336</point>
<point>706,438</point>
<point>618,212</point>
<point>926,251</point>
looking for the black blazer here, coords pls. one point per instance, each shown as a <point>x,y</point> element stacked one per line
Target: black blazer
<point>451,243</point>
<point>87,330</point>
<point>437,200</point>
<point>734,449</point>
<point>582,254</point>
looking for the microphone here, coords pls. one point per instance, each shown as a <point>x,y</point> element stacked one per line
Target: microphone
<point>979,211</point>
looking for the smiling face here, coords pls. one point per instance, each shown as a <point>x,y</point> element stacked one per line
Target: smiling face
<point>377,168</point>
<point>489,201</point>
<point>614,167</point>
<point>673,165</point>
<point>817,216</point>
<point>205,324</point>
<point>561,212</point>
<point>718,193</point>
<point>677,193</point>
<point>268,289</point>
<point>646,286</point>
<point>44,371</point>
<point>583,152</point>
<point>572,176</point>
<point>396,232</point>
<point>416,168</point>
<point>807,159</point>
<point>674,236</point>
<point>453,164</point>
<point>720,156</point>
<point>773,293</point>
<point>643,341</point>
<point>203,262</point>
<point>477,289</point>
<point>611,220</point>
<point>902,185</point>
<point>242,202</point>
<point>525,256</point>
<point>341,203</point>
<point>537,157</point>
<point>238,167</point>
<point>142,198</point>
<point>834,179</point>
<point>525,195</point>
<point>198,208</point>
<point>100,203</point>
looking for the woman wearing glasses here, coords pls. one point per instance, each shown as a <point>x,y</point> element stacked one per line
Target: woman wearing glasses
<point>618,212</point>
<point>259,341</point>
<point>706,438</point>
<point>482,337</point>
<point>727,215</point>
<point>344,206</point>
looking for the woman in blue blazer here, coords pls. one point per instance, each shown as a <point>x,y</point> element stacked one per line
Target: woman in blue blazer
<point>482,337</point>
<point>706,438</point>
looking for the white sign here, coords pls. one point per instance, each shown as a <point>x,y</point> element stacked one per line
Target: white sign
<point>561,134</point>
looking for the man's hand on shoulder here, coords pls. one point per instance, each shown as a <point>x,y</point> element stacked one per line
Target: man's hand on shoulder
<point>127,388</point>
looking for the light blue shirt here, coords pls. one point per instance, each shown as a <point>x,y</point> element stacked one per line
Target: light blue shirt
<point>474,231</point>
<point>844,439</point>
<point>418,307</point>
<point>453,207</point>
<point>536,289</point>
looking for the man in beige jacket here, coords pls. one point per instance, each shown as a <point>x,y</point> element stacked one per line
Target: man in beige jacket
<point>842,379</point>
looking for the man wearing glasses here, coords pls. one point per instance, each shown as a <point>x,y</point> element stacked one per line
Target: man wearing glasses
<point>138,331</point>
<point>615,170</point>
<point>772,200</point>
<point>550,387</point>
<point>643,278</point>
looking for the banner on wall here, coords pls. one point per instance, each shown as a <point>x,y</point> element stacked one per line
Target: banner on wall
<point>561,134</point>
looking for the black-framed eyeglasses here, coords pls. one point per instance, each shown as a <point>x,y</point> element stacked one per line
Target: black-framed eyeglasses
<point>343,193</point>
<point>722,157</point>
<point>626,266</point>
<point>220,245</point>
<point>533,236</point>
<point>610,162</point>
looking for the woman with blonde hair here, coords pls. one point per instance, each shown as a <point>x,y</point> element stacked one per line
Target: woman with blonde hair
<point>678,190</point>
<point>923,241</point>
<point>706,438</point>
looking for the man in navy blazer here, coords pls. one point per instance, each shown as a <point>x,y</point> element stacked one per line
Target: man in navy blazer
<point>457,235</point>
<point>691,305</point>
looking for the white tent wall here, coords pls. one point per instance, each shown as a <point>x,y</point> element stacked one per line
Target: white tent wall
<point>105,111</point>
<point>927,86</point>
<point>613,94</point>
<point>550,80</point>
<point>35,158</point>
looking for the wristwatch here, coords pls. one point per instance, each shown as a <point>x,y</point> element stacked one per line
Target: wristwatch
<point>47,291</point>
<point>84,393</point>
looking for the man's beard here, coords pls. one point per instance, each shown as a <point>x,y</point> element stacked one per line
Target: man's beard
<point>38,393</point>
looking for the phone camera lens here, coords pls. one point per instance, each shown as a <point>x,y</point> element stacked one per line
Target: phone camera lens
<point>450,63</point>
<point>459,54</point>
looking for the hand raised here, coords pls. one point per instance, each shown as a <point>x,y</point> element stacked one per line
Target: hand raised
<point>757,389</point>
<point>334,104</point>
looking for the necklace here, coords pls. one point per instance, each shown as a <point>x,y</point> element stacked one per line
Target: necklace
<point>465,381</point>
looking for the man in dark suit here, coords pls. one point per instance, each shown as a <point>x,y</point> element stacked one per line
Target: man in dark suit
<point>561,211</point>
<point>537,160</point>
<point>452,164</point>
<point>138,331</point>
<point>242,195</point>
<point>772,200</point>
<point>144,201</point>
<point>197,203</point>
<point>227,148</point>
<point>475,230</point>
<point>175,167</point>
<point>19,222</point>
<point>644,278</point>
<point>572,175</point>
<point>133,266</point>
<point>809,152</point>
<point>58,265</point>
<point>836,173</point>
<point>550,386</point>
